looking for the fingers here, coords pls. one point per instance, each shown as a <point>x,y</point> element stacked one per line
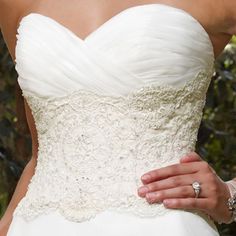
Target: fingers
<point>188,203</point>
<point>171,182</point>
<point>185,191</point>
<point>168,171</point>
<point>179,192</point>
<point>172,185</point>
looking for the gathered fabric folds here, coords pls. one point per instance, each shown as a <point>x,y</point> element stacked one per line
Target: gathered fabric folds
<point>125,100</point>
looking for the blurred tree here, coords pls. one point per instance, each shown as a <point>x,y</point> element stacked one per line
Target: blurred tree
<point>15,142</point>
<point>217,133</point>
<point>216,138</point>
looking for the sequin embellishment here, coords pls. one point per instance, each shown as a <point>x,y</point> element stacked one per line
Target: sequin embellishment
<point>94,148</point>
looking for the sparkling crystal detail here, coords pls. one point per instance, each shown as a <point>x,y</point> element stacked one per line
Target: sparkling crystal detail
<point>94,148</point>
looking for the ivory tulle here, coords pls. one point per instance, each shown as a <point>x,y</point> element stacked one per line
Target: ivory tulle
<point>108,108</point>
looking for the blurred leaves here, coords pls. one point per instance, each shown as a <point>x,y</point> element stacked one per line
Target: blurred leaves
<point>217,133</point>
<point>11,165</point>
<point>216,137</point>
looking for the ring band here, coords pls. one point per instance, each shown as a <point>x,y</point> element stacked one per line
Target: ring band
<point>197,188</point>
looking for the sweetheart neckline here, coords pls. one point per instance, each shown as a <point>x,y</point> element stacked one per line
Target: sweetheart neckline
<point>127,10</point>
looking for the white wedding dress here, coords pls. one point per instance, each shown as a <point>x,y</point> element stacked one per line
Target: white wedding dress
<point>108,108</point>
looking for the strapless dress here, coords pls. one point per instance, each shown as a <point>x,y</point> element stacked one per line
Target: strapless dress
<point>125,100</point>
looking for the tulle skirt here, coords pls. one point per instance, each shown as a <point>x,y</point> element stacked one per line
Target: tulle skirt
<point>111,223</point>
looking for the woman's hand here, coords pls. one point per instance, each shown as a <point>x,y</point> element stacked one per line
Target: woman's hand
<point>172,185</point>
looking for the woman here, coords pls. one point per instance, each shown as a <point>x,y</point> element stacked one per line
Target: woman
<point>114,110</point>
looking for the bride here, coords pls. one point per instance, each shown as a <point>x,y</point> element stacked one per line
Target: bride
<point>114,93</point>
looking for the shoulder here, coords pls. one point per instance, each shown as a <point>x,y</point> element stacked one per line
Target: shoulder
<point>8,19</point>
<point>11,10</point>
<point>227,14</point>
<point>10,13</point>
<point>6,9</point>
<point>3,6</point>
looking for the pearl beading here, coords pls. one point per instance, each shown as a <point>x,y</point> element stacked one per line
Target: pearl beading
<point>93,148</point>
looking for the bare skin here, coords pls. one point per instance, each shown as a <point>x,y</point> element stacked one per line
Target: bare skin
<point>83,17</point>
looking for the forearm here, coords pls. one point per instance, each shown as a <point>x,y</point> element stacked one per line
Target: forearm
<point>20,191</point>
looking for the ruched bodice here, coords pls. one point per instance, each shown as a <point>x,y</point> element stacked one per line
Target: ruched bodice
<point>108,108</point>
<point>141,45</point>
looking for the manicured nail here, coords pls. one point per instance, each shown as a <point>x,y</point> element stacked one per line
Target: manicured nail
<point>143,189</point>
<point>167,202</point>
<point>150,195</point>
<point>146,177</point>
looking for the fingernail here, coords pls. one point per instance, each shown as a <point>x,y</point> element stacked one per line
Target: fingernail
<point>146,177</point>
<point>143,189</point>
<point>150,195</point>
<point>167,202</point>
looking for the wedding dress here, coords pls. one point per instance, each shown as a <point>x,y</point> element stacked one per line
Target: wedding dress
<point>125,100</point>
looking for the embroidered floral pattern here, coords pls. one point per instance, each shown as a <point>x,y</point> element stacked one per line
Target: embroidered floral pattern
<point>94,148</point>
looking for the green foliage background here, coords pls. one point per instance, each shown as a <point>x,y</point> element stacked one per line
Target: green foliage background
<point>216,138</point>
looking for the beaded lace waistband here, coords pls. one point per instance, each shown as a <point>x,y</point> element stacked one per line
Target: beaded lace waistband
<point>94,148</point>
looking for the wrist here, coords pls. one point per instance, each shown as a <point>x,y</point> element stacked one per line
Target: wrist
<point>231,184</point>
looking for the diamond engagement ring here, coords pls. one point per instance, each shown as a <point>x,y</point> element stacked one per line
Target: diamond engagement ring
<point>197,188</point>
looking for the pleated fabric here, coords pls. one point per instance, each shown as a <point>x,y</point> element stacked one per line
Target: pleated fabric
<point>142,45</point>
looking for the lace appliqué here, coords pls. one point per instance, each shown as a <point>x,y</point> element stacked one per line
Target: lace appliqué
<point>93,148</point>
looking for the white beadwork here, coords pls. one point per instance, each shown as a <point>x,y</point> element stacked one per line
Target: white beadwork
<point>93,148</point>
